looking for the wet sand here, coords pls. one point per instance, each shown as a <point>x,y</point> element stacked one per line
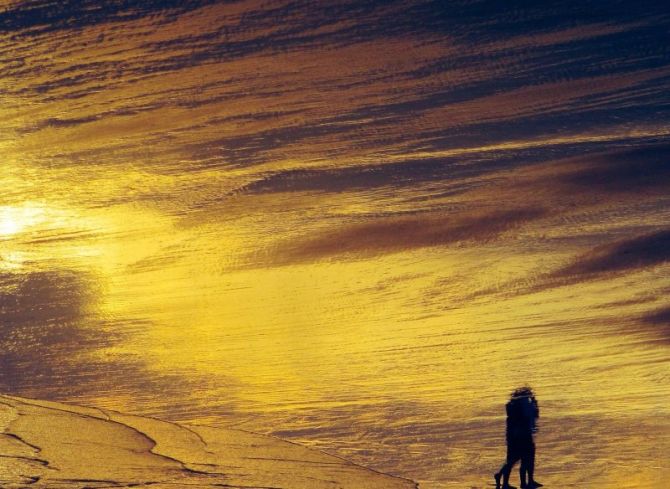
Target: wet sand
<point>357,226</point>
<point>54,445</point>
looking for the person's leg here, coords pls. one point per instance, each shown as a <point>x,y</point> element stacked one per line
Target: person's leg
<point>530,462</point>
<point>530,466</point>
<point>498,475</point>
<point>512,457</point>
<point>523,470</point>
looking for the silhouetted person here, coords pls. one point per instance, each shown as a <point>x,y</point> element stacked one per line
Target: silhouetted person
<point>522,413</point>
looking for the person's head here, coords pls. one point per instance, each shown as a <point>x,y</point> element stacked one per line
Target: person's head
<point>524,391</point>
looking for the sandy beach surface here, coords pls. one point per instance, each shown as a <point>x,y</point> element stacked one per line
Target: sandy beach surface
<point>55,445</point>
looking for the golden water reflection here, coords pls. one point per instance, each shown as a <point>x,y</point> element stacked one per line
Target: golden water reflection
<point>398,353</point>
<point>357,227</point>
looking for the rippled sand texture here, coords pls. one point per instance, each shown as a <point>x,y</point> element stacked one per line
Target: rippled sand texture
<point>53,445</point>
<point>354,224</point>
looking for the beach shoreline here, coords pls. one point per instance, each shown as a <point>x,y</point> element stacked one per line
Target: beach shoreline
<point>57,445</point>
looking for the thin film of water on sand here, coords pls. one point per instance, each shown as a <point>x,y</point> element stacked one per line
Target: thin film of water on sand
<point>399,360</point>
<point>358,229</point>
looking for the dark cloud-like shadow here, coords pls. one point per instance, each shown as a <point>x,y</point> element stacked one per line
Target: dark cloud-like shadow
<point>37,17</point>
<point>470,53</point>
<point>592,191</point>
<point>658,322</point>
<point>659,316</point>
<point>650,327</point>
<point>406,173</point>
<point>597,173</point>
<point>393,234</point>
<point>601,263</point>
<point>624,171</point>
<point>579,186</point>
<point>621,256</point>
<point>51,338</point>
<point>42,336</point>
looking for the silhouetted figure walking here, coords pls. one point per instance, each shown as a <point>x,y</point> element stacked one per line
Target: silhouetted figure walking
<point>522,413</point>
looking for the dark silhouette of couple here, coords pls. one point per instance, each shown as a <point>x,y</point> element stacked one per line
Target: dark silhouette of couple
<point>522,414</point>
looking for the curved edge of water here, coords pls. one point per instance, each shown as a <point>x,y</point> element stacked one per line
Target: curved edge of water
<point>90,447</point>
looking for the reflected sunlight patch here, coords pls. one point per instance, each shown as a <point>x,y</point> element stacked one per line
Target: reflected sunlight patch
<point>16,219</point>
